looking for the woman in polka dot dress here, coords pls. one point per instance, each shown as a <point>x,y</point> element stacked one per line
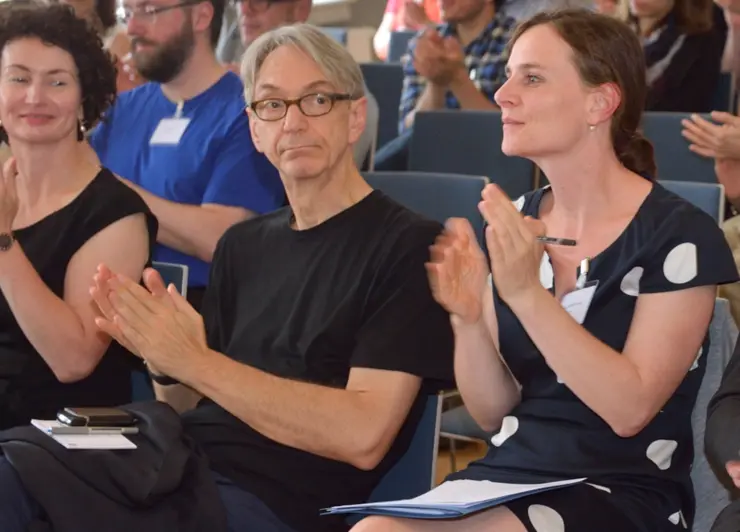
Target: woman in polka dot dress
<point>602,389</point>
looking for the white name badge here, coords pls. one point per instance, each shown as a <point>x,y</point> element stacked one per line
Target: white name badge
<point>169,131</point>
<point>577,302</point>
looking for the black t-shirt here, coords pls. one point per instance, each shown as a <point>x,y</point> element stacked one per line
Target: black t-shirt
<point>310,305</point>
<point>551,434</point>
<point>28,387</point>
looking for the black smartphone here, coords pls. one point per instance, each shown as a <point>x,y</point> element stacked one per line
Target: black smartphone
<point>95,417</point>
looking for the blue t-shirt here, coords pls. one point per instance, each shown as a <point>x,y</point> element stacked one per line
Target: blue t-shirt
<point>214,162</point>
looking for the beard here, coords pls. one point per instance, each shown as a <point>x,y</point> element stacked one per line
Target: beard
<point>166,60</point>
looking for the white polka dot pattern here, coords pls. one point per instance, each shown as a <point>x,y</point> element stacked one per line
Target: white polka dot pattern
<point>680,264</point>
<point>631,282</point>
<point>547,277</point>
<point>545,519</point>
<point>519,203</point>
<point>660,452</point>
<point>678,518</point>
<point>509,426</point>
<point>696,360</point>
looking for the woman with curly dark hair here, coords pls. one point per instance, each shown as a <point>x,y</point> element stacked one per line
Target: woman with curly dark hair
<point>61,215</point>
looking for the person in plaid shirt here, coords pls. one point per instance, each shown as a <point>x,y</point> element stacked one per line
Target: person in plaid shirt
<point>457,65</point>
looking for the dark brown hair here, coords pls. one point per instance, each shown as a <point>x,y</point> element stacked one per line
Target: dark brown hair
<point>606,50</point>
<point>693,16</point>
<point>106,12</point>
<point>57,25</point>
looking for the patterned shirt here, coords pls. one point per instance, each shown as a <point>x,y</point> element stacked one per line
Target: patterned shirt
<point>485,59</point>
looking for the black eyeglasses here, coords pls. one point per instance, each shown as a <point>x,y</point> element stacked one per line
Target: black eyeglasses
<point>318,104</point>
<point>148,12</point>
<point>259,6</point>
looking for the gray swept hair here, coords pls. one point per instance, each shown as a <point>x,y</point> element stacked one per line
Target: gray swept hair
<point>339,67</point>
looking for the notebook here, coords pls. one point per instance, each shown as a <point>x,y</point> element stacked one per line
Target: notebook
<point>452,499</point>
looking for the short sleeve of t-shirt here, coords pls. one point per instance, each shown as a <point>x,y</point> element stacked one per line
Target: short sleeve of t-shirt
<point>405,329</point>
<point>688,250</point>
<point>242,176</point>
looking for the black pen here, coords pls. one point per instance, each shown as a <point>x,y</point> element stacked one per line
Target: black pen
<point>556,241</point>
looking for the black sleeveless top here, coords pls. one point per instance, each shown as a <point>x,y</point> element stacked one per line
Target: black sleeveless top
<point>551,434</point>
<point>28,387</point>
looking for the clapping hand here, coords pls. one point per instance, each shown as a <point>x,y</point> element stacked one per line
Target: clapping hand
<point>8,195</point>
<point>733,469</point>
<point>154,323</point>
<point>438,59</point>
<point>721,140</point>
<point>513,247</point>
<point>458,271</point>
<point>414,16</point>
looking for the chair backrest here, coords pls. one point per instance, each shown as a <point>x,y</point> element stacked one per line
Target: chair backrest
<point>709,197</point>
<point>467,142</point>
<point>711,496</point>
<point>436,196</point>
<point>415,471</point>
<point>675,161</point>
<point>724,95</point>
<point>176,274</point>
<point>385,82</point>
<point>336,33</point>
<point>398,45</point>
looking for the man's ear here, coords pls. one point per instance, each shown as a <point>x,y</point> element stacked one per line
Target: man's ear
<point>303,10</point>
<point>357,119</point>
<point>202,17</point>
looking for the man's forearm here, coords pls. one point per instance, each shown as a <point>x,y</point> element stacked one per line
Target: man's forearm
<point>330,422</point>
<point>432,98</point>
<point>190,229</point>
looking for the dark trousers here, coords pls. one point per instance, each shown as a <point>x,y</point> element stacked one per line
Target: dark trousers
<point>729,519</point>
<point>245,512</point>
<point>394,156</point>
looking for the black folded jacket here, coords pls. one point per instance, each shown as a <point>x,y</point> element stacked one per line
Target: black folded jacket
<point>164,485</point>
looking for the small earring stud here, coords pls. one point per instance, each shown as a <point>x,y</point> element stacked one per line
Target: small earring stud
<point>591,127</point>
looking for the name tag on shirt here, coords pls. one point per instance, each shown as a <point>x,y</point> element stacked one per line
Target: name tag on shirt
<point>577,302</point>
<point>169,131</point>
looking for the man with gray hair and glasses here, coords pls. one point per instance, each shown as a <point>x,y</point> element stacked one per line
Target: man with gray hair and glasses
<point>255,17</point>
<point>319,342</point>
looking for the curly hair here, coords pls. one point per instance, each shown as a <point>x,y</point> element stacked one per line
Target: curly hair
<point>57,25</point>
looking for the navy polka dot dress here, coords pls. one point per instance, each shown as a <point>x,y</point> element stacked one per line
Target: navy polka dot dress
<point>634,484</point>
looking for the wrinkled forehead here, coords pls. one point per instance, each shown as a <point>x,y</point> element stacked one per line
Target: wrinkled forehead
<point>290,72</point>
<point>32,55</point>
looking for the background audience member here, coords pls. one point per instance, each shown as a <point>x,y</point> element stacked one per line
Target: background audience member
<point>605,392</point>
<point>404,15</point>
<point>683,41</point>
<point>182,141</point>
<point>722,440</point>
<point>60,216</point>
<point>720,140</point>
<point>257,17</point>
<point>101,14</point>
<point>460,65</point>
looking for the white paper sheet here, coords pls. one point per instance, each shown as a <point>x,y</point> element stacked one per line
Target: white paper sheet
<point>84,441</point>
